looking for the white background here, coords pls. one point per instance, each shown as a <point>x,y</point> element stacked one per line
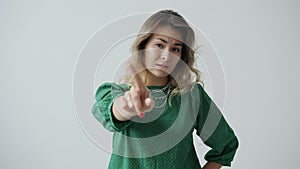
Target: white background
<point>40,41</point>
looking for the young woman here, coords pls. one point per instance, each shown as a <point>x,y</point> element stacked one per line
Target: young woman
<point>154,112</point>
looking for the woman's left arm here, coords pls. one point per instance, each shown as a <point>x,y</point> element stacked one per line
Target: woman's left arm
<point>215,132</point>
<point>212,165</point>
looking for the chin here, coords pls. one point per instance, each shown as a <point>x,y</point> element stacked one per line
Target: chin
<point>159,73</point>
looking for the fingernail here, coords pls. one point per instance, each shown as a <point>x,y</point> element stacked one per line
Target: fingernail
<point>141,115</point>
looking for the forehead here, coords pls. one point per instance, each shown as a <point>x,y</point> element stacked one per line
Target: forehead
<point>168,33</point>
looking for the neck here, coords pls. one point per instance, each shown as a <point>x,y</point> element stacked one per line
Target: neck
<point>157,81</point>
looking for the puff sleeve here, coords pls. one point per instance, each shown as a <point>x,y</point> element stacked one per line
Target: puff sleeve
<point>102,109</point>
<point>215,132</point>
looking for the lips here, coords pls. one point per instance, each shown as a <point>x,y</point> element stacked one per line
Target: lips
<point>163,66</point>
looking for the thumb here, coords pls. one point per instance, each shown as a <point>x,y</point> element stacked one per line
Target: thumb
<point>149,104</point>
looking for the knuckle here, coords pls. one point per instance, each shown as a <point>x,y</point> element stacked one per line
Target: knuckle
<point>123,106</point>
<point>138,90</point>
<point>127,94</point>
<point>132,88</point>
<point>135,89</point>
<point>135,95</point>
<point>130,105</point>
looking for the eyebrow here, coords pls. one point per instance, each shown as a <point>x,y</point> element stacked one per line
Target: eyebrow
<point>175,44</point>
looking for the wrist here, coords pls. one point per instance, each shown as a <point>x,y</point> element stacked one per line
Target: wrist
<point>212,165</point>
<point>117,115</point>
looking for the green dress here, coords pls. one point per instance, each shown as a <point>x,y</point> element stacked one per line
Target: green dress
<point>163,139</point>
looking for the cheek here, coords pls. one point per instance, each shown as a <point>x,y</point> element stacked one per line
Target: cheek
<point>147,59</point>
<point>175,62</point>
<point>176,59</point>
<point>150,56</point>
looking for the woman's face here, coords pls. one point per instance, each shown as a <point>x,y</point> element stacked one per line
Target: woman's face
<point>163,51</point>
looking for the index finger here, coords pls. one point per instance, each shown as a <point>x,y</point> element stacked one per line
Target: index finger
<point>137,79</point>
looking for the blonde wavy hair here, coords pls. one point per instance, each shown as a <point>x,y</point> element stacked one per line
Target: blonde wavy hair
<point>185,74</point>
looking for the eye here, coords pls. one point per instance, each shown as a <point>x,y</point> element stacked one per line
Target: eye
<point>176,49</point>
<point>160,45</point>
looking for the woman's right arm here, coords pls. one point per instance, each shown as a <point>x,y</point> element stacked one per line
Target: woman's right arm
<point>135,102</point>
<point>112,109</point>
<point>105,96</point>
<point>117,104</point>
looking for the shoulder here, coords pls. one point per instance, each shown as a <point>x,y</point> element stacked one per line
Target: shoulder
<point>111,87</point>
<point>196,88</point>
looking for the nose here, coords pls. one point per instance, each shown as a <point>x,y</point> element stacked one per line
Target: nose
<point>165,54</point>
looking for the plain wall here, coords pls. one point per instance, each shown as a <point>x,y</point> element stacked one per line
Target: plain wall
<point>257,41</point>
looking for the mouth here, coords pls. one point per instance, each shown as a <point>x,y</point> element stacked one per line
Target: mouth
<point>163,66</point>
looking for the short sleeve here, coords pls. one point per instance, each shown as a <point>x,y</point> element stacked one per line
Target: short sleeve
<point>215,132</point>
<point>102,109</point>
